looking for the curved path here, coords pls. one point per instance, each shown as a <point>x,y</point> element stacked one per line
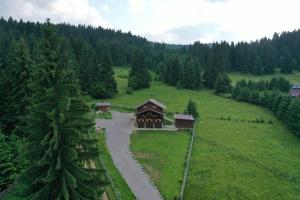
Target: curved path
<point>118,131</point>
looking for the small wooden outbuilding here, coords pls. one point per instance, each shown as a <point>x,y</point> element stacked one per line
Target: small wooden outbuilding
<point>103,106</point>
<point>295,91</point>
<point>150,114</point>
<point>184,121</point>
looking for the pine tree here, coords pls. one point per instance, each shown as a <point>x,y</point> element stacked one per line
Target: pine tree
<point>287,62</point>
<point>216,65</point>
<point>293,116</point>
<point>282,108</point>
<point>258,68</point>
<point>105,85</point>
<point>62,144</point>
<point>191,109</point>
<point>139,77</point>
<point>171,71</point>
<point>86,67</point>
<point>187,77</point>
<point>223,84</point>
<point>7,169</point>
<point>276,102</point>
<point>17,76</point>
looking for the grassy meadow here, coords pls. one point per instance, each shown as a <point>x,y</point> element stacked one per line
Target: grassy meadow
<point>231,159</point>
<point>162,154</point>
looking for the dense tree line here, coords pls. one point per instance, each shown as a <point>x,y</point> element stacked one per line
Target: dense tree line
<point>256,57</point>
<point>182,72</point>
<point>49,140</point>
<point>139,77</point>
<point>272,95</point>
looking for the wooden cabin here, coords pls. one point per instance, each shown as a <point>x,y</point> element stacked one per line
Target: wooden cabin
<point>184,121</point>
<point>150,114</point>
<point>103,106</point>
<point>295,91</point>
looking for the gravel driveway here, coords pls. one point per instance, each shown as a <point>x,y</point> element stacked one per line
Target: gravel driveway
<point>118,131</point>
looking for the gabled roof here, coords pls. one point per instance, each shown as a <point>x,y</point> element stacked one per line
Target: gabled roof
<point>154,102</point>
<point>149,109</point>
<point>103,104</point>
<point>295,92</point>
<point>184,117</point>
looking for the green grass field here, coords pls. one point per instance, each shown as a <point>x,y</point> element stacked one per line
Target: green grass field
<point>162,154</point>
<point>230,159</point>
<point>103,115</point>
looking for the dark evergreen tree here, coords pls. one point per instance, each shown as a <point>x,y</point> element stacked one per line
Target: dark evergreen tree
<point>62,145</point>
<point>139,77</point>
<point>16,77</point>
<point>191,109</point>
<point>7,168</point>
<point>171,72</point>
<point>258,66</point>
<point>293,116</point>
<point>287,62</point>
<point>216,65</point>
<point>254,97</point>
<point>87,67</point>
<point>223,84</point>
<point>283,107</point>
<point>276,102</point>
<point>105,85</point>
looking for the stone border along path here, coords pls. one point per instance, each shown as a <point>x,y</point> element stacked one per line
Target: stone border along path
<point>118,131</point>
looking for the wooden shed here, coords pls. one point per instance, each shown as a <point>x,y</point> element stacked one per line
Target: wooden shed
<point>295,91</point>
<point>150,114</point>
<point>103,106</point>
<point>184,121</point>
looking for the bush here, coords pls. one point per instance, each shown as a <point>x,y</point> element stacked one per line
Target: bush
<point>129,90</point>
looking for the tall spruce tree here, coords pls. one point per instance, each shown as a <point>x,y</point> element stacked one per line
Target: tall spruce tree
<point>62,145</point>
<point>86,67</point>
<point>293,116</point>
<point>287,62</point>
<point>17,77</point>
<point>105,85</point>
<point>171,71</point>
<point>216,65</point>
<point>7,168</point>
<point>223,84</point>
<point>283,107</point>
<point>191,109</point>
<point>139,76</point>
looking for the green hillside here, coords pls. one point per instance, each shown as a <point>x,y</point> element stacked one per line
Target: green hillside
<point>231,159</point>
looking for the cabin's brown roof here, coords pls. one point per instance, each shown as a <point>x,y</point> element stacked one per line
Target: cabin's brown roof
<point>295,92</point>
<point>103,104</point>
<point>154,102</point>
<point>149,109</point>
<point>184,117</point>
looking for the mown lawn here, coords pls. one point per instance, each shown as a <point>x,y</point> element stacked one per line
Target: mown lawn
<point>231,159</point>
<point>103,115</point>
<point>162,154</point>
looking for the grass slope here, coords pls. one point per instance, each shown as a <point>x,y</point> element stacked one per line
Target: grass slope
<point>231,159</point>
<point>162,154</point>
